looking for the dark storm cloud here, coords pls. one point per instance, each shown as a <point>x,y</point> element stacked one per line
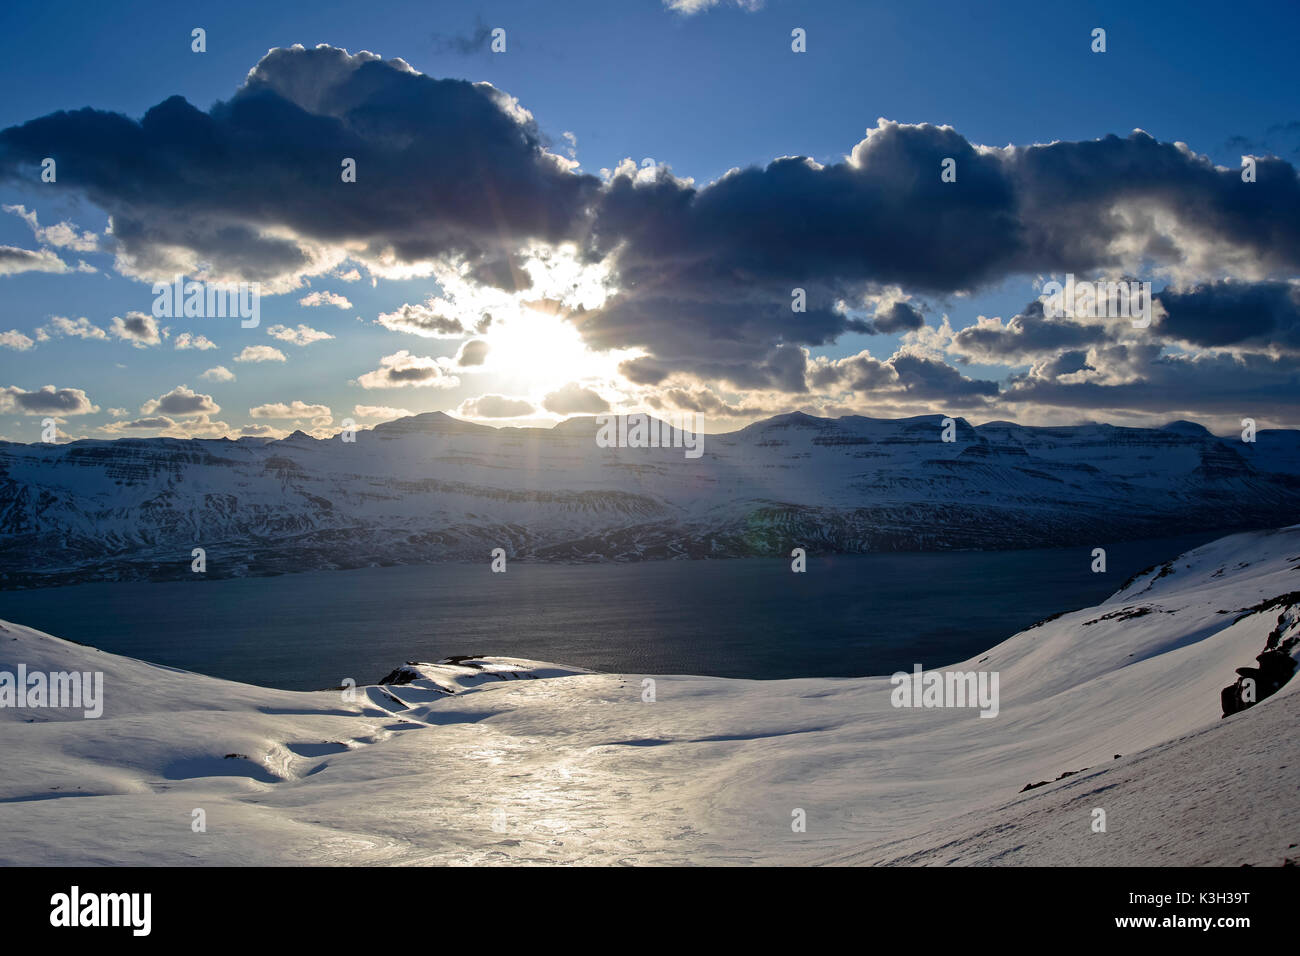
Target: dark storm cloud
<point>444,167</point>
<point>899,317</point>
<point>1253,385</point>
<point>719,261</point>
<point>1233,314</point>
<point>928,378</point>
<point>701,278</point>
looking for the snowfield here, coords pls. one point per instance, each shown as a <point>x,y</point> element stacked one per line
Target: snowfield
<point>502,761</point>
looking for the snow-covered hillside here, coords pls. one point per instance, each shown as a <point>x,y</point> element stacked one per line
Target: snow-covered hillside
<point>430,488</point>
<point>508,761</point>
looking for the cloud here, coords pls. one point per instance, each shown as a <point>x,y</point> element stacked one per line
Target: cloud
<point>181,400</point>
<point>63,401</point>
<point>294,409</point>
<point>736,248</point>
<point>402,369</point>
<point>260,353</point>
<point>219,374</point>
<point>81,328</point>
<point>1026,337</point>
<point>139,329</point>
<point>899,317</point>
<point>14,260</point>
<point>63,235</point>
<point>455,179</point>
<point>252,186</point>
<point>494,406</point>
<point>385,412</point>
<point>475,41</point>
<point>1228,313</point>
<point>198,426</point>
<point>264,431</point>
<point>13,339</point>
<point>473,352</point>
<point>201,342</point>
<point>507,274</point>
<point>326,298</point>
<point>422,320</point>
<point>688,8</point>
<point>303,335</point>
<point>574,399</point>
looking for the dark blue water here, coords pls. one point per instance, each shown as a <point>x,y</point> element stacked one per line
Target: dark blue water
<point>846,616</point>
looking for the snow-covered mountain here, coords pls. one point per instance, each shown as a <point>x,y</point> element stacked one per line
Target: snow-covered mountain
<point>1116,707</point>
<point>430,487</point>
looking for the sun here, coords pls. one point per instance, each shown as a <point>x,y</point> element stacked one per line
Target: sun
<point>534,352</point>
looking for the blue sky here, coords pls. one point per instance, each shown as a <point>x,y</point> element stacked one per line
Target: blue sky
<point>702,93</point>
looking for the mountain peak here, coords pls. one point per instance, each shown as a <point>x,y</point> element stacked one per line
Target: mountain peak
<point>427,423</point>
<point>1183,427</point>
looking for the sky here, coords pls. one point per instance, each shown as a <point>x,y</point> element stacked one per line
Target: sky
<point>614,212</point>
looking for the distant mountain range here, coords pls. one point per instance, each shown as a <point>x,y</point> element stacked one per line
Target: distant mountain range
<point>430,488</point>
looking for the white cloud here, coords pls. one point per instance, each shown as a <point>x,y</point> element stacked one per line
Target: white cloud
<point>325,298</point>
<point>219,374</point>
<point>688,8</point>
<point>13,339</point>
<point>402,369</point>
<point>64,235</point>
<point>264,431</point>
<point>426,319</point>
<point>495,406</point>
<point>199,426</point>
<point>260,353</point>
<point>81,328</point>
<point>14,260</point>
<point>574,399</point>
<point>385,412</point>
<point>302,335</point>
<point>181,400</point>
<point>295,409</point>
<point>201,342</point>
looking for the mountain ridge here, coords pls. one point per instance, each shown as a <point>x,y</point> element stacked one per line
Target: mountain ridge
<point>431,487</point>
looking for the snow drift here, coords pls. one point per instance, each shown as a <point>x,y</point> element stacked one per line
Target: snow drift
<point>1116,707</point>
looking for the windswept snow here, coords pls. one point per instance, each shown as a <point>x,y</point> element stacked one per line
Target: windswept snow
<point>511,761</point>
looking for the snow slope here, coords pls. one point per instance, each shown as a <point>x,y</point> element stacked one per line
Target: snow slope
<point>429,488</point>
<point>508,761</point>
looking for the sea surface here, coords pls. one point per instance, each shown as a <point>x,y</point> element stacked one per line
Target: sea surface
<point>846,616</point>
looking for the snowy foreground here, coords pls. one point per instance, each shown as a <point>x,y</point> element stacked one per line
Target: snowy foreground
<point>511,761</point>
